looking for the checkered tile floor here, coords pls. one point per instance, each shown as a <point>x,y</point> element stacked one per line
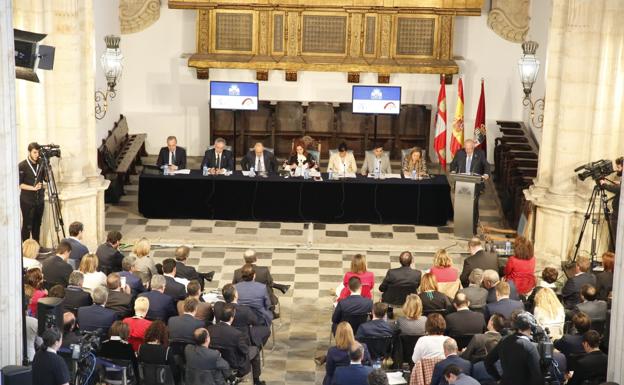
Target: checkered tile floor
<point>310,257</point>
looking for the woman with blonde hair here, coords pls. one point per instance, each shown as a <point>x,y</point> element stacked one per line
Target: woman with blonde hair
<point>549,312</point>
<point>144,262</point>
<point>432,299</point>
<point>414,162</point>
<point>413,323</point>
<point>446,275</point>
<point>89,268</point>
<point>338,355</point>
<point>30,251</point>
<point>358,269</point>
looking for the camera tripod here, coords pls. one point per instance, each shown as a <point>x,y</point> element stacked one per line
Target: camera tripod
<point>53,196</point>
<point>594,214</point>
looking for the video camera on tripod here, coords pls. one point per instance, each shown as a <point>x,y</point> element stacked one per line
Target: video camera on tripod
<point>50,151</point>
<point>89,343</point>
<point>597,170</point>
<point>46,152</point>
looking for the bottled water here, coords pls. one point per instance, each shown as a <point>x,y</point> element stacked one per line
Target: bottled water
<point>252,173</point>
<point>331,174</point>
<point>205,170</point>
<point>165,169</point>
<point>508,248</point>
<point>306,173</point>
<point>414,175</point>
<point>377,364</point>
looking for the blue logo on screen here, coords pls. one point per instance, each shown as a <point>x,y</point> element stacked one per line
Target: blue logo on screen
<point>376,94</point>
<point>234,90</point>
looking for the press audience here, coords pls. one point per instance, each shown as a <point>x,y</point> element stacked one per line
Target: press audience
<point>359,270</point>
<point>479,259</point>
<point>446,275</point>
<point>520,267</point>
<point>412,322</point>
<point>355,373</point>
<point>476,349</point>
<point>338,355</point>
<point>432,299</point>
<point>137,324</point>
<point>109,256</point>
<point>30,252</point>
<point>578,275</point>
<point>75,296</point>
<point>475,293</point>
<point>503,305</point>
<point>161,305</point>
<point>591,367</point>
<point>92,278</point>
<point>378,327</point>
<point>595,308</point>
<point>604,279</point>
<point>431,344</point>
<point>549,312</point>
<point>144,263</point>
<point>451,358</point>
<point>491,279</point>
<point>401,277</point>
<point>354,305</point>
<point>464,321</point>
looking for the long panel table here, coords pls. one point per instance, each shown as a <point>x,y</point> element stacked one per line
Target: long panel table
<point>237,197</point>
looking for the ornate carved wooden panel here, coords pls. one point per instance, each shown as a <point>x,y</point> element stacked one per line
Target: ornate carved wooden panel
<point>415,36</point>
<point>371,35</point>
<point>234,32</point>
<point>278,33</point>
<point>324,34</point>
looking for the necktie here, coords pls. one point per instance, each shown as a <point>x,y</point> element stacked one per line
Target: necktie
<point>172,157</point>
<point>258,164</point>
<point>468,164</point>
<point>219,161</point>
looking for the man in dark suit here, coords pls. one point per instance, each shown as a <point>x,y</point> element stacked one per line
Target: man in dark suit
<point>119,298</point>
<point>132,280</point>
<point>245,319</point>
<point>182,327</point>
<point>354,304</point>
<point>172,155</point>
<point>477,347</point>
<point>503,305</point>
<point>254,294</point>
<point>355,373</point>
<point>452,358</point>
<point>260,160</point>
<point>491,279</point>
<point>55,268</point>
<point>475,293</point>
<point>578,275</point>
<point>592,367</point>
<point>161,306</point>
<point>478,259</point>
<point>377,327</point>
<point>189,272</point>
<point>75,240</point>
<point>596,309</point>
<point>75,296</point>
<point>472,161</point>
<point>233,346</point>
<point>217,159</point>
<point>572,344</point>
<point>175,289</point>
<point>97,316</point>
<point>199,356</point>
<point>464,321</point>
<point>109,256</point>
<point>204,311</point>
<point>401,277</point>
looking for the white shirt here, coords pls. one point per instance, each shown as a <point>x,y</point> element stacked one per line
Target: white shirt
<point>300,160</point>
<point>217,163</point>
<point>93,280</point>
<point>259,163</point>
<point>468,162</point>
<point>554,325</point>
<point>170,157</point>
<point>30,263</point>
<point>429,347</point>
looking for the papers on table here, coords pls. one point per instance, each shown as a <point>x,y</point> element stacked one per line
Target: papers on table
<point>184,171</point>
<point>386,176</point>
<point>395,378</point>
<point>345,175</point>
<point>246,173</point>
<point>314,173</point>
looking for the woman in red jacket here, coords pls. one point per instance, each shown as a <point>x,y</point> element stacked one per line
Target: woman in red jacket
<point>358,269</point>
<point>520,267</point>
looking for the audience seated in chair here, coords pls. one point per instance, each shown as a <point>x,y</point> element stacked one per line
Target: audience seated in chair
<point>96,317</point>
<point>204,309</point>
<point>92,277</point>
<point>412,322</point>
<point>75,296</point>
<point>133,280</point>
<point>34,289</point>
<point>595,308</point>
<point>464,321</point>
<point>70,333</point>
<point>549,277</point>
<point>119,298</point>
<point>477,347</point>
<point>354,305</point>
<point>578,275</point>
<point>455,376</point>
<point>446,275</point>
<point>478,259</point>
<point>604,279</point>
<point>137,324</point>
<point>452,358</point>
<point>78,249</point>
<point>155,350</point>
<point>117,347</point>
<point>161,305</point>
<point>378,326</point>
<point>399,281</point>
<point>592,367</point>
<point>199,357</point>
<point>55,268</point>
<point>338,355</point>
<point>571,342</point>
<point>187,272</point>
<point>491,279</point>
<point>432,299</point>
<point>173,287</point>
<point>254,295</point>
<point>378,377</point>
<point>358,269</point>
<point>503,305</point>
<point>355,373</point>
<point>475,293</point>
<point>431,344</point>
<point>549,312</point>
<point>182,327</point>
<point>109,256</point>
<point>520,267</point>
<point>144,263</point>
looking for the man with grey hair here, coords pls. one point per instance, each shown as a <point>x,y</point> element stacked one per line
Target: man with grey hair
<point>476,294</point>
<point>490,280</point>
<point>263,275</point>
<point>129,273</point>
<point>450,352</point>
<point>172,155</point>
<point>97,317</point>
<point>217,159</point>
<point>75,295</point>
<point>478,258</point>
<point>161,305</point>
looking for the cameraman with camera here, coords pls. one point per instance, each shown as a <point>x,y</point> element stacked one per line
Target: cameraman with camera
<point>48,368</point>
<point>614,187</point>
<point>31,193</point>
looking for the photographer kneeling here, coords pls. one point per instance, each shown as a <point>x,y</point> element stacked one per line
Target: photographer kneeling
<point>48,368</point>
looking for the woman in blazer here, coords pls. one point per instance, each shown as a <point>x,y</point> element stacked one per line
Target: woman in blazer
<point>343,161</point>
<point>300,157</point>
<point>414,162</point>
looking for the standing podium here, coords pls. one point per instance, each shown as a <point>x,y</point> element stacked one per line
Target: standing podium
<point>465,190</point>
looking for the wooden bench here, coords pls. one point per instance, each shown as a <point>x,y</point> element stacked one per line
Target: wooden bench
<point>118,156</point>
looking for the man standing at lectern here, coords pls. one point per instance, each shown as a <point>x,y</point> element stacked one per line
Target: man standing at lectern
<point>471,161</point>
<point>172,155</point>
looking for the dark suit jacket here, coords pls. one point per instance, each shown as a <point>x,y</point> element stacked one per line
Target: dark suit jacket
<point>596,310</point>
<point>181,328</point>
<point>161,306</point>
<point>247,322</point>
<point>479,163</point>
<point>570,344</point>
<point>232,345</point>
<point>571,291</point>
<point>121,303</point>
<point>615,203</point>
<point>134,282</point>
<point>604,284</point>
<point>109,259</point>
<point>254,295</point>
<point>263,275</point>
<point>210,160</point>
<point>351,375</point>
<point>464,322</point>
<point>374,328</point>
<point>438,370</point>
<point>475,351</point>
<point>202,358</point>
<point>592,366</point>
<point>96,317</point>
<point>175,289</point>
<point>180,157</point>
<point>481,260</point>
<point>513,293</point>
<point>186,272</point>
<point>477,296</point>
<point>352,305</point>
<point>400,277</point>
<point>505,307</point>
<point>249,161</point>
<point>78,250</point>
<point>309,160</point>
<point>56,271</point>
<point>75,297</point>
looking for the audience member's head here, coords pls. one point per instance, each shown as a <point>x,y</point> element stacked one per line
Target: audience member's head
<point>546,300</point>
<point>358,264</point>
<point>450,346</point>
<point>182,253</point>
<point>52,338</point>
<point>119,329</point>
<point>435,324</point>
<point>591,340</point>
<point>141,306</point>
<point>523,248</point>
<point>503,290</point>
<point>461,301</point>
<point>158,282</point>
<point>428,282</point>
<point>583,263</point>
<point>405,259</point>
<point>76,278</point>
<point>608,261</point>
<point>523,321</point>
<point>30,249</point>
<point>113,238</point>
<point>248,272</point>
<point>34,279</point>
<point>379,310</point>
<point>496,323</point>
<point>250,256</point>
<point>63,249</point>
<point>57,291</point>
<point>76,229</point>
<point>229,293</point>
<point>142,248</point>
<point>69,322</point>
<point>169,266</point>
<point>113,281</point>
<point>442,259</point>
<point>229,312</point>
<point>100,295</point>
<point>550,275</point>
<point>451,373</point>
<point>377,377</point>
<point>588,292</point>
<point>193,288</point>
<point>344,336</point>
<point>581,322</point>
<point>490,278</point>
<point>412,308</point>
<point>201,337</point>
<point>355,285</point>
<point>356,353</point>
<point>88,263</point>
<point>127,264</point>
<point>157,332</point>
<point>474,245</point>
<point>190,305</point>
<point>475,277</point>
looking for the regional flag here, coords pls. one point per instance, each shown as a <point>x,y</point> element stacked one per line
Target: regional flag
<point>457,137</point>
<point>439,141</point>
<point>480,131</point>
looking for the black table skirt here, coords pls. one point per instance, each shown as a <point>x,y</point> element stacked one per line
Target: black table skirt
<point>236,197</point>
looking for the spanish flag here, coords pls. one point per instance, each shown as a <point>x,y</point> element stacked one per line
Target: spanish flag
<point>457,137</point>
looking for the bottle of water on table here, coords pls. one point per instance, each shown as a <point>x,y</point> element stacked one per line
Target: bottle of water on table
<point>508,248</point>
<point>205,170</point>
<point>252,172</point>
<point>330,175</point>
<point>414,175</point>
<point>165,169</point>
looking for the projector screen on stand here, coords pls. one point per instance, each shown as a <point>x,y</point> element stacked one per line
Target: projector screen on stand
<point>233,95</point>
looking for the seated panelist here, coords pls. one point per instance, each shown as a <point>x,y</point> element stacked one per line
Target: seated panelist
<point>260,159</point>
<point>342,162</point>
<point>172,155</point>
<point>300,157</point>
<point>414,162</point>
<point>218,159</point>
<point>379,162</point>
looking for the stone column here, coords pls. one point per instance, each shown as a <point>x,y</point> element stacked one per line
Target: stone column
<point>583,119</point>
<point>615,371</point>
<point>10,273</point>
<point>60,109</point>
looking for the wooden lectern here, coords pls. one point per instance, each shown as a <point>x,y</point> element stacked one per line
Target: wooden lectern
<point>465,189</point>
